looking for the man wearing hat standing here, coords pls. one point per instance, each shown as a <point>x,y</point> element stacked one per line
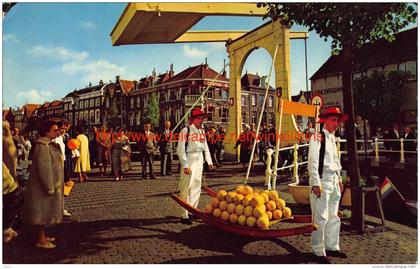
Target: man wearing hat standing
<point>191,146</point>
<point>326,186</point>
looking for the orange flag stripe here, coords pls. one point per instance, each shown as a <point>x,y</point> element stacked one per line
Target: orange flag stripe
<point>294,108</point>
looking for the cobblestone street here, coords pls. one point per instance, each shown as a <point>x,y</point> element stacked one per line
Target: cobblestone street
<point>133,221</point>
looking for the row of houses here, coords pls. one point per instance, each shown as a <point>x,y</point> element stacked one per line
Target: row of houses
<point>122,102</point>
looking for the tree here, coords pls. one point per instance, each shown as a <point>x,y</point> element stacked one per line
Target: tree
<point>379,96</point>
<point>151,111</point>
<point>350,25</point>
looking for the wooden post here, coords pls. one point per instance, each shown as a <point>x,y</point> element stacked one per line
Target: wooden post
<point>402,160</point>
<point>376,150</point>
<point>295,163</point>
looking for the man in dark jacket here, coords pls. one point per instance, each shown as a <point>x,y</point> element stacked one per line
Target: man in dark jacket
<point>147,146</point>
<point>409,145</point>
<point>165,148</point>
<point>395,145</point>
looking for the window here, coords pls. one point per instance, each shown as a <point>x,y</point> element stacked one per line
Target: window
<point>98,102</point>
<point>131,117</point>
<point>92,102</point>
<point>210,93</point>
<point>217,94</point>
<point>270,101</point>
<point>70,117</point>
<point>107,102</point>
<point>271,118</point>
<point>92,116</point>
<point>224,94</point>
<point>97,116</point>
<point>138,101</point>
<point>224,114</point>
<point>75,118</point>
<point>86,103</point>
<point>253,100</point>
<point>260,100</point>
<point>357,75</point>
<point>254,118</point>
<point>242,100</point>
<point>86,116</point>
<point>410,67</point>
<point>138,118</point>
<point>66,106</point>
<point>210,113</point>
<point>131,102</point>
<point>80,115</point>
<point>81,104</point>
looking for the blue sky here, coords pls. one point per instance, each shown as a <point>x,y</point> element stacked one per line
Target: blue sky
<point>50,49</point>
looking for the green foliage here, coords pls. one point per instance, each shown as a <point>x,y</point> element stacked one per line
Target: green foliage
<point>151,111</point>
<point>346,23</point>
<point>379,96</point>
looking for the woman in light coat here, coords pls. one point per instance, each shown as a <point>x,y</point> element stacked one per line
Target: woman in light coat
<point>83,161</point>
<point>43,197</point>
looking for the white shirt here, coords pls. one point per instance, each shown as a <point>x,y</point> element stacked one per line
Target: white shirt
<point>60,141</point>
<point>332,165</point>
<point>196,144</point>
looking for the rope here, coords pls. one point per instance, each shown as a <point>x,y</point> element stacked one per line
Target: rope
<point>261,114</point>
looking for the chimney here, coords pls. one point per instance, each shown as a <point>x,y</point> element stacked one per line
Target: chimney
<point>263,82</point>
<point>206,65</point>
<point>101,82</point>
<point>171,71</point>
<point>154,72</point>
<point>90,84</point>
<point>117,78</point>
<point>224,68</point>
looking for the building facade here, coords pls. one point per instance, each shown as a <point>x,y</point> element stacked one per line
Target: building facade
<point>253,91</point>
<point>381,56</point>
<point>177,93</point>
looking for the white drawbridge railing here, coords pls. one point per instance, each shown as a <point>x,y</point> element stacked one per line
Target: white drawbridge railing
<point>372,145</point>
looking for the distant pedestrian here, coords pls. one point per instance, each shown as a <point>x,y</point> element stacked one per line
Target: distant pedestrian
<point>147,146</point>
<point>103,143</point>
<point>43,197</point>
<point>118,143</point>
<point>83,161</point>
<point>165,148</point>
<point>246,141</point>
<point>408,134</point>
<point>221,135</point>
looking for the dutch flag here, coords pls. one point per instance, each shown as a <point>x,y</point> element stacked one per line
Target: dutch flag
<point>386,188</point>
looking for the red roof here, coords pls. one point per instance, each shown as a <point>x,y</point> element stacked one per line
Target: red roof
<point>201,71</point>
<point>30,108</point>
<point>55,103</point>
<point>126,85</point>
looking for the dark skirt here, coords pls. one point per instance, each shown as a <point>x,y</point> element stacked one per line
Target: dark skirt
<point>244,156</point>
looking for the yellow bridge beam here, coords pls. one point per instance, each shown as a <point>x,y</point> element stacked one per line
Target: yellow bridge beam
<point>147,23</point>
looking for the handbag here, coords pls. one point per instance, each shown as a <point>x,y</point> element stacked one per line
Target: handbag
<point>68,186</point>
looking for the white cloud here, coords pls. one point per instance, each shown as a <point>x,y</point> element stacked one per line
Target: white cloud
<point>93,70</point>
<point>10,38</point>
<point>80,65</point>
<point>34,96</point>
<point>58,53</point>
<point>193,52</point>
<point>88,25</point>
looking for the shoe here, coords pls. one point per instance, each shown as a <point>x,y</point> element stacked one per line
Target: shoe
<point>320,259</point>
<point>50,239</point>
<point>186,221</point>
<point>48,245</point>
<point>152,177</point>
<point>117,179</point>
<point>336,253</point>
<point>169,174</point>
<point>66,213</point>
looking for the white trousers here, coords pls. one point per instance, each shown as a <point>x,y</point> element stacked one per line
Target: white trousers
<point>190,185</point>
<point>324,215</point>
